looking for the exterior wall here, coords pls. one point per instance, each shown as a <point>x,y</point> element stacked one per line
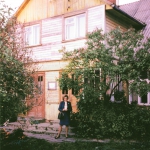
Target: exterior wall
<point>112,23</point>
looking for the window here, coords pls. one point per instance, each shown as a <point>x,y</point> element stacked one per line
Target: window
<point>32,35</point>
<point>117,88</point>
<point>75,27</point>
<point>94,79</point>
<point>145,74</point>
<point>40,84</point>
<point>143,100</point>
<point>75,90</point>
<point>65,90</point>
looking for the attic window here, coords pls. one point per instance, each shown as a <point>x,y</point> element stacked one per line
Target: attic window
<point>32,35</point>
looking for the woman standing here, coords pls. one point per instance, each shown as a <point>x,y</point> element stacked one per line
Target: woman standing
<point>66,108</point>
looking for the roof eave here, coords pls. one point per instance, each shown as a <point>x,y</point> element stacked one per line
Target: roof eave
<point>21,7</point>
<point>138,24</point>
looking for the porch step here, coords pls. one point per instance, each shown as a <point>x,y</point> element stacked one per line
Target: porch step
<point>31,119</point>
<point>54,122</point>
<point>49,128</point>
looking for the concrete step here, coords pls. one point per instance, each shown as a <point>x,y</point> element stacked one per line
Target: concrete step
<point>50,128</point>
<point>30,119</point>
<point>14,125</point>
<point>49,132</point>
<point>52,122</point>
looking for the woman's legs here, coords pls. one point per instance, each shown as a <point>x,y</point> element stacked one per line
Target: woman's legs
<point>59,131</point>
<point>67,128</point>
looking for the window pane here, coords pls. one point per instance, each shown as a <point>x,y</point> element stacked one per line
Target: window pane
<point>143,74</point>
<point>40,84</point>
<point>28,36</point>
<point>144,99</point>
<point>70,20</point>
<point>70,28</point>
<point>65,90</point>
<point>36,34</point>
<point>70,32</point>
<point>81,26</point>
<point>97,79</point>
<point>32,35</point>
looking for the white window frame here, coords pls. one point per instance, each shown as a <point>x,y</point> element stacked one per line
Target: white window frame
<point>139,100</point>
<point>32,35</point>
<point>76,26</point>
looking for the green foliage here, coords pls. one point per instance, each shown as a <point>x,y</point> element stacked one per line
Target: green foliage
<point>120,57</point>
<point>15,67</point>
<point>112,120</point>
<point>119,95</point>
<point>107,62</point>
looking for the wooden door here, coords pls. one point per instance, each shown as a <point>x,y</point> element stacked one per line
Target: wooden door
<point>38,102</point>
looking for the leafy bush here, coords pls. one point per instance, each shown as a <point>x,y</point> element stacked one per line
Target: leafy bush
<point>16,67</point>
<point>112,120</point>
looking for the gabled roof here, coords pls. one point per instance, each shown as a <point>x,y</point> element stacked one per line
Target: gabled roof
<point>122,15</point>
<point>24,3</point>
<point>141,11</point>
<point>116,11</point>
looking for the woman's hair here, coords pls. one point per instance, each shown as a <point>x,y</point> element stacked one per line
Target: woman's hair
<point>65,96</point>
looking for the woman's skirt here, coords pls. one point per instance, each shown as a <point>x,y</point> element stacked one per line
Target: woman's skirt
<point>66,120</point>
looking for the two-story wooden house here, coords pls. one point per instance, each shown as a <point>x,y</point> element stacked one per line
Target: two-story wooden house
<point>53,24</point>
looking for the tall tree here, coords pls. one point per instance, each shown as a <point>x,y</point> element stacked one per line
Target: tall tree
<point>16,67</point>
<point>113,63</point>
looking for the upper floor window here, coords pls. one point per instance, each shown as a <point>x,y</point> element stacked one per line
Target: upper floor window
<point>32,35</point>
<point>75,27</point>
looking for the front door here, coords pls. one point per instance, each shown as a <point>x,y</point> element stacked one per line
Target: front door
<point>38,102</point>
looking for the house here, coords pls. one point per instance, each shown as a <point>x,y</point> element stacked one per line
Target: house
<point>140,10</point>
<point>53,24</point>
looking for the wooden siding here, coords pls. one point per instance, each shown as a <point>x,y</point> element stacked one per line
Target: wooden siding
<point>111,24</point>
<point>40,9</point>
<point>96,18</point>
<point>52,35</point>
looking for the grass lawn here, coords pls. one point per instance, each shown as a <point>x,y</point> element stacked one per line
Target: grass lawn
<point>18,141</point>
<point>38,144</point>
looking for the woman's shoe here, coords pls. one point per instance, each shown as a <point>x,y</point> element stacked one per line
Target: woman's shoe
<point>57,137</point>
<point>66,136</point>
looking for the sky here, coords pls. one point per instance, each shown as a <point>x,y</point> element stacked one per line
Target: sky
<point>17,3</point>
<point>13,3</point>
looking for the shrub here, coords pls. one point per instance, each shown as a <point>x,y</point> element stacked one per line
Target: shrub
<point>113,120</point>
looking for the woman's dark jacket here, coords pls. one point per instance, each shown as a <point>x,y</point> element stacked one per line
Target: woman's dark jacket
<point>62,105</point>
